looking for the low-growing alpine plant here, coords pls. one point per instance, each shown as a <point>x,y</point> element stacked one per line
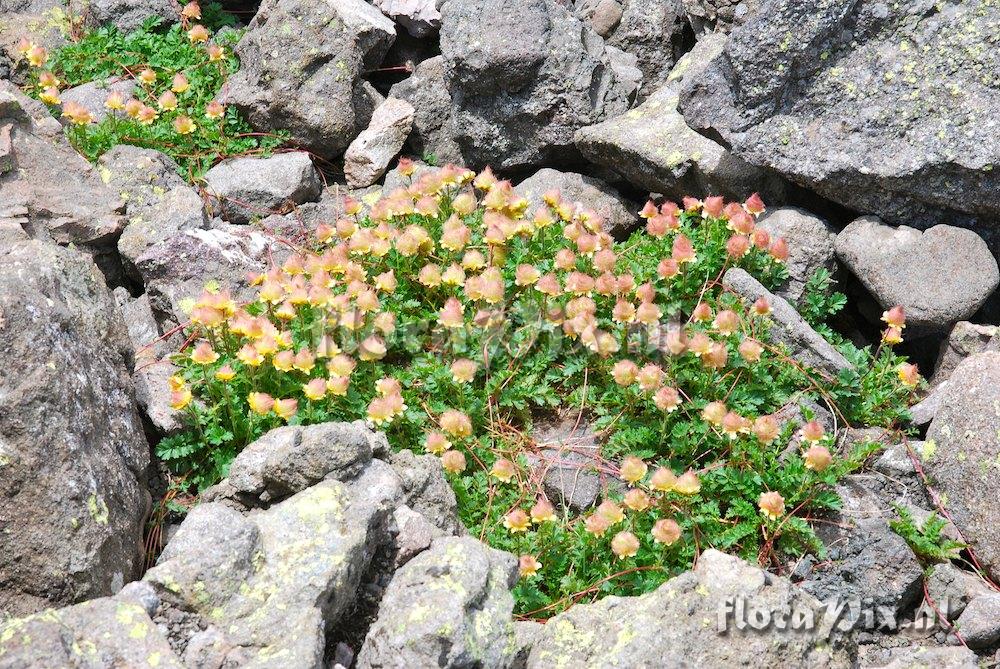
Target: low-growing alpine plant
<point>455,320</point>
<point>177,72</point>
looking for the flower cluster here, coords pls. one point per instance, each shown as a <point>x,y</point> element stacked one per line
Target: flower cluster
<point>172,105</point>
<point>452,309</point>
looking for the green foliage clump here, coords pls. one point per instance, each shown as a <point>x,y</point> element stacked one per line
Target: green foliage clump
<point>926,539</point>
<point>188,124</point>
<point>455,322</point>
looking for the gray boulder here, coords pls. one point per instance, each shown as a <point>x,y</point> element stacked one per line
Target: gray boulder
<point>939,276</point>
<point>129,15</point>
<point>721,15</point>
<point>964,451</point>
<point>420,18</point>
<point>414,534</point>
<point>684,623</point>
<point>619,214</point>
<point>152,395</point>
<point>434,132</point>
<point>142,329</point>
<point>93,95</point>
<point>263,589</point>
<point>72,452</point>
<point>158,202</point>
<point>905,122</point>
<point>649,30</point>
<point>99,634</point>
<point>301,68</point>
<point>49,189</point>
<point>176,270</point>
<point>810,242</point>
<point>787,326</point>
<point>963,340</point>
<point>523,77</point>
<point>368,156</point>
<point>450,606</point>
<point>980,622</point>
<point>952,588</point>
<point>920,657</point>
<point>290,459</point>
<point>866,558</point>
<point>652,147</point>
<point>243,189</point>
<point>426,490</point>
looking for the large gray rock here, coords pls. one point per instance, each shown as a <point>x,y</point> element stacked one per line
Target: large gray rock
<point>426,490</point>
<point>722,15</point>
<point>448,607</point>
<point>49,189</point>
<point>158,201</point>
<point>289,459</point>
<point>100,634</point>
<point>871,104</point>
<point>420,18</point>
<point>301,67</point>
<point>650,30</point>
<point>652,147</point>
<point>72,452</point>
<point>619,214</point>
<point>434,131</point>
<point>94,94</point>
<point>523,77</point>
<point>243,189</point>
<point>810,242</point>
<point>266,587</point>
<point>980,622</point>
<point>952,588</point>
<point>129,15</point>
<point>965,339</point>
<point>567,463</point>
<point>679,625</point>
<point>368,156</point>
<point>787,326</point>
<point>939,276</point>
<point>964,453</point>
<point>866,558</point>
<point>922,657</point>
<point>176,271</point>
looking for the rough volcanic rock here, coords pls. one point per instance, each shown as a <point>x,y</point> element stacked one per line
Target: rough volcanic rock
<point>883,107</point>
<point>939,276</point>
<point>567,463</point>
<point>72,452</point>
<point>368,156</point>
<point>262,589</point>
<point>129,15</point>
<point>93,95</point>
<point>301,67</point>
<point>158,202</point>
<point>679,625</point>
<point>964,449</point>
<point>49,189</point>
<point>722,15</point>
<point>788,327</point>
<point>448,607</point>
<point>426,490</point>
<point>980,622</point>
<point>652,147</point>
<point>292,458</point>
<point>649,30</point>
<point>243,189</point>
<point>952,588</point>
<point>810,242</point>
<point>619,215</point>
<point>420,18</point>
<point>523,77</point>
<point>107,632</point>
<point>867,560</point>
<point>176,271</point>
<point>433,130</point>
<point>963,340</point>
